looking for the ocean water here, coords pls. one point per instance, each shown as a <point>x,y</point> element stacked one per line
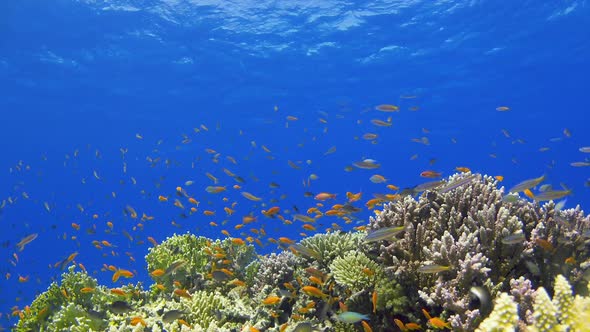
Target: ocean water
<point>109,104</point>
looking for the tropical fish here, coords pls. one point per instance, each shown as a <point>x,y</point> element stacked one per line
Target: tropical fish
<point>514,238</point>
<point>366,164</point>
<point>120,307</point>
<point>377,178</point>
<point>387,108</point>
<point>174,266</point>
<point>551,195</point>
<point>26,240</point>
<point>385,233</point>
<point>526,184</point>
<point>430,174</point>
<point>313,291</point>
<point>457,183</point>
<point>433,268</point>
<point>351,317</point>
<point>426,186</point>
<point>214,189</point>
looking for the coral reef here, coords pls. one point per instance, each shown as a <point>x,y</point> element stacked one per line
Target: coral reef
<point>474,236</point>
<point>419,271</point>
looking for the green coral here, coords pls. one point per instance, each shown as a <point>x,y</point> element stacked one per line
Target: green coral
<point>59,302</point>
<point>390,296</point>
<point>356,271</point>
<point>199,257</point>
<point>332,245</point>
<point>562,313</point>
<point>504,317</point>
<point>188,248</point>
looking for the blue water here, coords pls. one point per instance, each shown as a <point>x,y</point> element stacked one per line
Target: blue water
<point>90,75</point>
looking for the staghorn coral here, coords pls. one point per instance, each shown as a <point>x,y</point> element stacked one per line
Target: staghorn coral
<point>562,313</point>
<point>468,229</point>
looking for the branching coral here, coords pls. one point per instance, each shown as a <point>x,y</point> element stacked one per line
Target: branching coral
<point>451,241</point>
<point>481,239</point>
<point>562,313</point>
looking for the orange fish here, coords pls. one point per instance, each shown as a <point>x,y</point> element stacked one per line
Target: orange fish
<point>430,174</point>
<point>324,196</point>
<point>157,273</point>
<point>87,290</point>
<point>137,320</point>
<point>374,301</point>
<point>182,293</point>
<point>271,300</point>
<point>463,169</point>
<point>366,326</point>
<point>118,291</point>
<point>313,291</point>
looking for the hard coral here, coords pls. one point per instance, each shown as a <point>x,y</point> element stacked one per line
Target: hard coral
<point>562,313</point>
<point>467,231</point>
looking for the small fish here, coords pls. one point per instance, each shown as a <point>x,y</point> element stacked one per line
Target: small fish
<point>313,291</point>
<point>377,178</point>
<point>427,186</point>
<point>580,164</point>
<point>484,297</point>
<point>430,174</point>
<point>585,149</point>
<point>369,136</point>
<point>324,196</point>
<point>526,184</point>
<point>351,317</point>
<point>214,189</point>
<point>298,248</point>
<point>172,315</point>
<point>387,108</point>
<point>174,266</point>
<point>366,164</point>
<point>514,238</point>
<point>380,123</point>
<point>551,195</point>
<point>303,327</point>
<point>457,183</point>
<point>271,300</point>
<point>502,108</point>
<point>120,307</point>
<point>433,268</point>
<point>26,240</point>
<point>220,275</point>
<point>330,151</point>
<point>385,233</point>
<point>251,197</point>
